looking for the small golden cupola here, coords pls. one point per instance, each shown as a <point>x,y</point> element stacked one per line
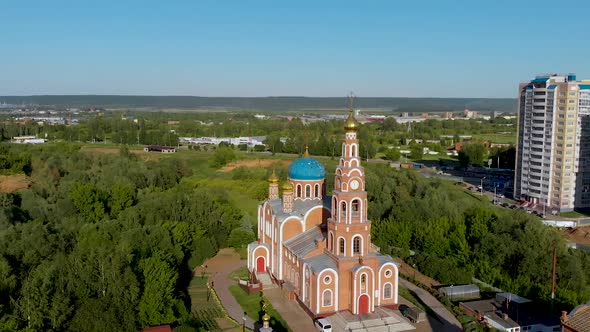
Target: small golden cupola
<point>273,178</point>
<point>351,125</point>
<point>287,187</point>
<point>273,186</point>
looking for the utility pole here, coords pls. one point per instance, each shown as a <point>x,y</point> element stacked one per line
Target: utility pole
<point>553,276</point>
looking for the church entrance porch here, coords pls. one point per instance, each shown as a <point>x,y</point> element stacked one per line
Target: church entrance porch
<point>363,305</point>
<point>260,266</point>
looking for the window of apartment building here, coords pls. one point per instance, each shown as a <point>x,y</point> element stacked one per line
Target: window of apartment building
<point>562,94</point>
<point>571,108</point>
<point>570,115</point>
<point>572,93</point>
<point>570,123</point>
<point>571,101</point>
<point>568,145</point>
<point>562,101</point>
<point>561,116</point>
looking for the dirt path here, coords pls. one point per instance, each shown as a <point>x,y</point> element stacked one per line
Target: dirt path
<point>219,268</point>
<point>12,183</point>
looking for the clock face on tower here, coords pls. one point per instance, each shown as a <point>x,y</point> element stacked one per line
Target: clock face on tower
<point>354,184</point>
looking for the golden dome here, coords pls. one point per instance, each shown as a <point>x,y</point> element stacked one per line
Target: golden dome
<point>266,317</point>
<point>287,187</point>
<point>273,178</point>
<point>351,124</point>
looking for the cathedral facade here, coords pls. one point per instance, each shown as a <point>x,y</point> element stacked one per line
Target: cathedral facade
<point>319,247</point>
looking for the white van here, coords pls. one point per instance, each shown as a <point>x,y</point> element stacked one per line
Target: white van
<point>323,325</point>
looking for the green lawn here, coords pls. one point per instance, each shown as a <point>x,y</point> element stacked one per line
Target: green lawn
<point>251,304</point>
<point>575,214</point>
<point>496,138</point>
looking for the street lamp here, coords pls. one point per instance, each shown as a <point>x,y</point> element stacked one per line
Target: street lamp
<point>244,322</point>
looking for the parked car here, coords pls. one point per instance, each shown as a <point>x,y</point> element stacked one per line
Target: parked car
<point>500,196</point>
<point>414,314</point>
<point>323,325</point>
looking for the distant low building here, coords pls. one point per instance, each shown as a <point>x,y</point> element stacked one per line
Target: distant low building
<point>159,148</point>
<point>28,140</point>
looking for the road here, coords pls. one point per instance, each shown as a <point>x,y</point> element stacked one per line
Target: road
<point>448,322</point>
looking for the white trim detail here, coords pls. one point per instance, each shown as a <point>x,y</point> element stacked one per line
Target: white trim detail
<point>395,280</point>
<point>319,281</point>
<point>362,247</point>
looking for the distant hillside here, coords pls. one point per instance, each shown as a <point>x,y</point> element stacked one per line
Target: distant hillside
<point>269,103</point>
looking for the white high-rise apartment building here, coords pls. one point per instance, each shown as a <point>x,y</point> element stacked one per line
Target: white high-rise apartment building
<point>553,152</point>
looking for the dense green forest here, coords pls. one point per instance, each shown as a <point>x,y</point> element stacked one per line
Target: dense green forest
<point>106,242</point>
<point>457,237</point>
<point>269,103</point>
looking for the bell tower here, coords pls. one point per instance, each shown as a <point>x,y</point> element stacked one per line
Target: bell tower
<point>348,229</point>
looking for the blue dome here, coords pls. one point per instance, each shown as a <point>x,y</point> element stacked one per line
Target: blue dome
<point>307,169</point>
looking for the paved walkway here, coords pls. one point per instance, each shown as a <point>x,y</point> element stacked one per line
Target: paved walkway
<point>219,268</point>
<point>297,319</point>
<point>449,321</point>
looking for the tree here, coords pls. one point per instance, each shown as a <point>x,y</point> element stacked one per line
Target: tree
<point>392,154</point>
<point>240,237</point>
<point>416,151</point>
<point>222,157</point>
<point>157,303</point>
<point>472,154</point>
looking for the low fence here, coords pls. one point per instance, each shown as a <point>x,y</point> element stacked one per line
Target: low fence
<point>250,287</point>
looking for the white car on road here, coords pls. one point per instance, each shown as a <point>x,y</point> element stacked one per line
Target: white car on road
<point>323,325</point>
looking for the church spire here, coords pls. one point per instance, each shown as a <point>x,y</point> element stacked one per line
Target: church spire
<point>306,154</point>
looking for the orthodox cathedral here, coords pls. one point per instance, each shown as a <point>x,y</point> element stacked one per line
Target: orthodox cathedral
<point>319,247</point>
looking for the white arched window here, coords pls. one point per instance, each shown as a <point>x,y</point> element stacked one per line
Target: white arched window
<point>299,190</point>
<point>363,282</point>
<point>307,191</point>
<point>353,154</point>
<point>327,298</point>
<point>343,210</point>
<point>387,291</point>
<point>342,247</point>
<point>317,191</point>
<point>356,245</point>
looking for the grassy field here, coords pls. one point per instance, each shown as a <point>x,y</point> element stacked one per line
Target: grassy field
<point>497,138</point>
<point>251,304</point>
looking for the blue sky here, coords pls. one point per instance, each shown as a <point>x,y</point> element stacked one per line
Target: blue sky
<point>477,48</point>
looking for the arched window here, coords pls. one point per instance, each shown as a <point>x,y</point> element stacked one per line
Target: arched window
<point>331,241</point>
<point>327,298</point>
<point>299,190</point>
<point>353,151</point>
<point>363,282</point>
<point>356,245</point>
<point>387,291</point>
<point>355,207</point>
<point>342,247</point>
<point>317,191</point>
<point>343,210</point>
<point>307,191</point>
